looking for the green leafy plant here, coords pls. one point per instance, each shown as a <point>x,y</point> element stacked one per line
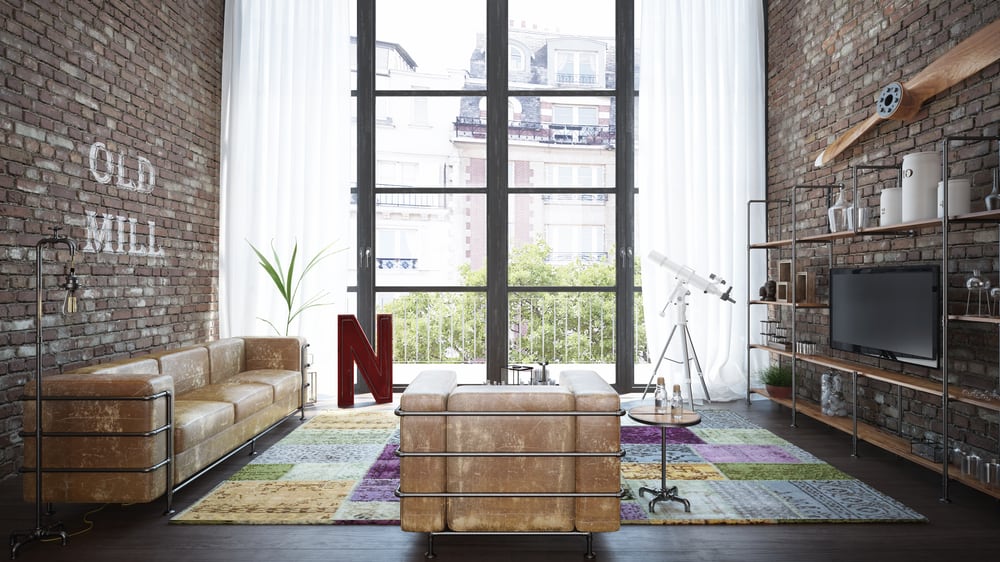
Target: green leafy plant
<point>776,375</point>
<point>288,283</point>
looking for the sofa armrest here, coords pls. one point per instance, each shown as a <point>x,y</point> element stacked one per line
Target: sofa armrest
<point>598,434</point>
<point>428,392</point>
<point>93,408</point>
<point>275,353</point>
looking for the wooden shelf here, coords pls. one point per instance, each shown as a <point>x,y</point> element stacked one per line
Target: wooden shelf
<point>889,442</point>
<point>901,227</point>
<point>988,403</point>
<point>826,237</point>
<point>779,351</point>
<point>891,377</point>
<point>771,244</point>
<point>980,319</point>
<point>872,433</point>
<point>980,216</point>
<point>797,305</point>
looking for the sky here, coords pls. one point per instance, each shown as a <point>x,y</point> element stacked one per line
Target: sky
<point>445,37</point>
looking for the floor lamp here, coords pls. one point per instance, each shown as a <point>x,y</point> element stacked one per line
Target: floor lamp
<point>71,284</point>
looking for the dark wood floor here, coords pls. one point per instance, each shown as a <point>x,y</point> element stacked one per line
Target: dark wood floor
<point>967,527</point>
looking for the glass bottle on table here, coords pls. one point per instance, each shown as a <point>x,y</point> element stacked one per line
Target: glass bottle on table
<point>660,401</point>
<point>676,402</point>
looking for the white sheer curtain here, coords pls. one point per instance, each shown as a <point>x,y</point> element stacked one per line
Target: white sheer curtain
<point>700,159</point>
<point>284,163</point>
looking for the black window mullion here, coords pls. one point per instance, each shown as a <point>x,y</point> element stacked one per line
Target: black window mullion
<point>496,193</point>
<point>625,196</point>
<point>366,174</point>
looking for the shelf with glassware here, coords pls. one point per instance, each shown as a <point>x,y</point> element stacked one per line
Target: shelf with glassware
<point>896,444</point>
<point>975,283</point>
<point>791,288</point>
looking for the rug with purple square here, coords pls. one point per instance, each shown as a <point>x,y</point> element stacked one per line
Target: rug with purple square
<point>338,468</point>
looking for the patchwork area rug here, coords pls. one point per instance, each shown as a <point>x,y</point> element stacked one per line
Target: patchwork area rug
<point>338,468</point>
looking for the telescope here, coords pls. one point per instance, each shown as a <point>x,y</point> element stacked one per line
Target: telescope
<point>685,275</point>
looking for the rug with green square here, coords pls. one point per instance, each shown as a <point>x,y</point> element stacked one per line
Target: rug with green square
<point>339,468</point>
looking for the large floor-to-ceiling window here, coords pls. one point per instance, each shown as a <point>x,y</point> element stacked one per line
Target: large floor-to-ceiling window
<point>494,185</point>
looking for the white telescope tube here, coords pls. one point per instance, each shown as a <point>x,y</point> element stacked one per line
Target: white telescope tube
<point>687,275</point>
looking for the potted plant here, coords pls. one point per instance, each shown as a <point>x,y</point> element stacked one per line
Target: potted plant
<point>777,379</point>
<point>287,283</point>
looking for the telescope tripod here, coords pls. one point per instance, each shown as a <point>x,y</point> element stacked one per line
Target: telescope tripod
<point>679,298</point>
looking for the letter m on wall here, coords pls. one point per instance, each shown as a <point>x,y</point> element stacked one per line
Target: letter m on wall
<point>353,348</point>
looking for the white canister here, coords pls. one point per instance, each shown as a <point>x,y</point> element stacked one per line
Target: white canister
<point>959,197</point>
<point>890,206</point>
<point>921,174</point>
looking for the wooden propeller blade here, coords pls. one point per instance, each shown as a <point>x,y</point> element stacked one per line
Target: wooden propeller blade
<point>975,53</point>
<point>847,139</point>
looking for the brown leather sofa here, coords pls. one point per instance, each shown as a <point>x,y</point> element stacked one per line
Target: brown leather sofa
<point>445,457</point>
<point>114,430</point>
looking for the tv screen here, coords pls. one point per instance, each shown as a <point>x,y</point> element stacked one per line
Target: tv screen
<point>888,312</point>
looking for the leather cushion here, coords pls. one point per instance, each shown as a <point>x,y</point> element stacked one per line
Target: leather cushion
<point>188,366</point>
<point>226,358</point>
<point>246,398</point>
<point>197,420</point>
<point>283,382</point>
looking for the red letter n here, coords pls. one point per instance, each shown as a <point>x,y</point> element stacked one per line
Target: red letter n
<point>353,348</point>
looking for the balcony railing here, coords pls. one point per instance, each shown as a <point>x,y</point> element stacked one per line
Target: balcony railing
<point>550,133</point>
<point>398,264</point>
<point>450,328</point>
<point>581,79</point>
<point>584,257</point>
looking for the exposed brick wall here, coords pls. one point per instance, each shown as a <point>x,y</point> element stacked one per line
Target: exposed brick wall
<point>143,79</point>
<point>827,61</point>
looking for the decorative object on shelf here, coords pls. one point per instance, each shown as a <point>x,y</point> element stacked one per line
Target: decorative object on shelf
<point>891,206</point>
<point>805,347</point>
<point>805,286</point>
<point>959,197</point>
<point>777,379</point>
<point>956,456</point>
<point>783,288</point>
<point>994,301</point>
<point>981,394</point>
<point>832,401</point>
<point>978,284</point>
<point>989,472</point>
<point>993,199</point>
<point>970,464</point>
<point>902,101</point>
<point>927,449</point>
<point>921,174</point>
<point>780,337</point>
<point>769,290</point>
<point>837,213</point>
<point>767,327</point>
<point>857,214</point>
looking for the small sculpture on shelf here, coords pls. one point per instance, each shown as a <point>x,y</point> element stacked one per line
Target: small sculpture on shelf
<point>837,213</point>
<point>978,284</point>
<point>993,199</point>
<point>832,399</point>
<point>769,290</point>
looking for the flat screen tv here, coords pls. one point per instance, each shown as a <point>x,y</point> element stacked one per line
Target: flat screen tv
<point>888,312</point>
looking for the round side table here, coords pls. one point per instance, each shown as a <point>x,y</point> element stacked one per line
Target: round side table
<point>647,415</point>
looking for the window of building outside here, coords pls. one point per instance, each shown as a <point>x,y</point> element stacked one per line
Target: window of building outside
<point>435,191</point>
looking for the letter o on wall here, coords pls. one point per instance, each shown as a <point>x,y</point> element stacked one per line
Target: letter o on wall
<point>95,149</point>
